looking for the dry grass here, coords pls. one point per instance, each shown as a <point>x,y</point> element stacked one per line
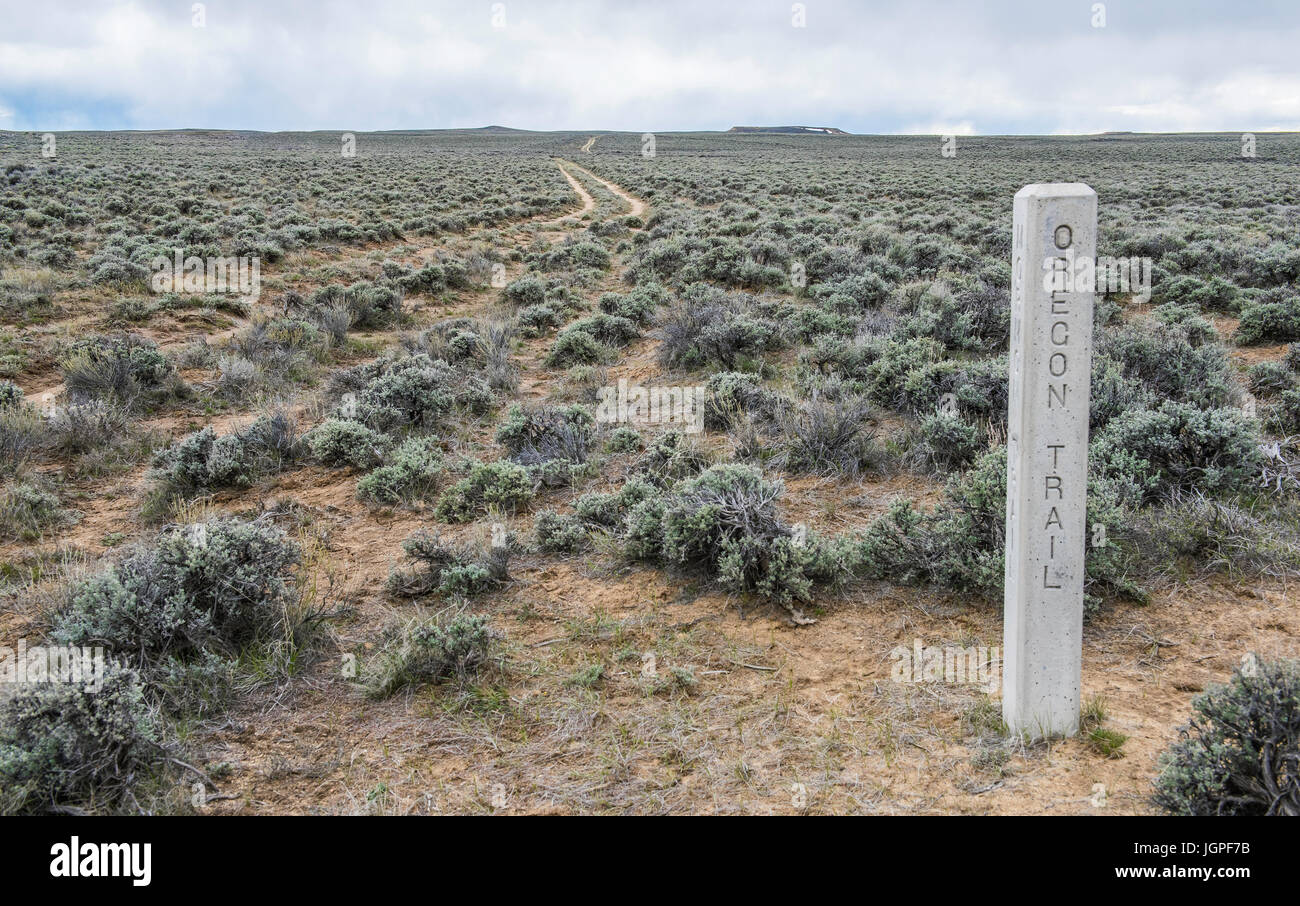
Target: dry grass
<point>622,689</point>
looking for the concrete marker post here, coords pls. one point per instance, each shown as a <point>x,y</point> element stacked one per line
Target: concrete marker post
<point>1052,293</point>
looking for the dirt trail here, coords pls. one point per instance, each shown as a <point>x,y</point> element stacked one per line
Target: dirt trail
<point>591,141</point>
<point>588,203</point>
<point>637,205</point>
<point>99,515</point>
<point>46,389</point>
<point>770,706</point>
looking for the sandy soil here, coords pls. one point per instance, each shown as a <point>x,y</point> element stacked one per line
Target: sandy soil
<point>588,203</point>
<point>705,704</point>
<point>636,205</point>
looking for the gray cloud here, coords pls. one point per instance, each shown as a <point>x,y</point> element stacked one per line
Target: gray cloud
<point>993,67</point>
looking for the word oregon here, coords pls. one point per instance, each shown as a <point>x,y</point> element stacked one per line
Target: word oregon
<point>242,276</point>
<point>652,405</point>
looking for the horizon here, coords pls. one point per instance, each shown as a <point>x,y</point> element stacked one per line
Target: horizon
<point>887,411</point>
<point>755,130</point>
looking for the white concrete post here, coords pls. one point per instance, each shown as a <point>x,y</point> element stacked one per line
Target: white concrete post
<point>1052,282</point>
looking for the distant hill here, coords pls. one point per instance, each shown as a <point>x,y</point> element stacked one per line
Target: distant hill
<point>791,130</point>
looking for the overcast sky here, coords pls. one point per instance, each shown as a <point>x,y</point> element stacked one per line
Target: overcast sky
<point>1004,66</point>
